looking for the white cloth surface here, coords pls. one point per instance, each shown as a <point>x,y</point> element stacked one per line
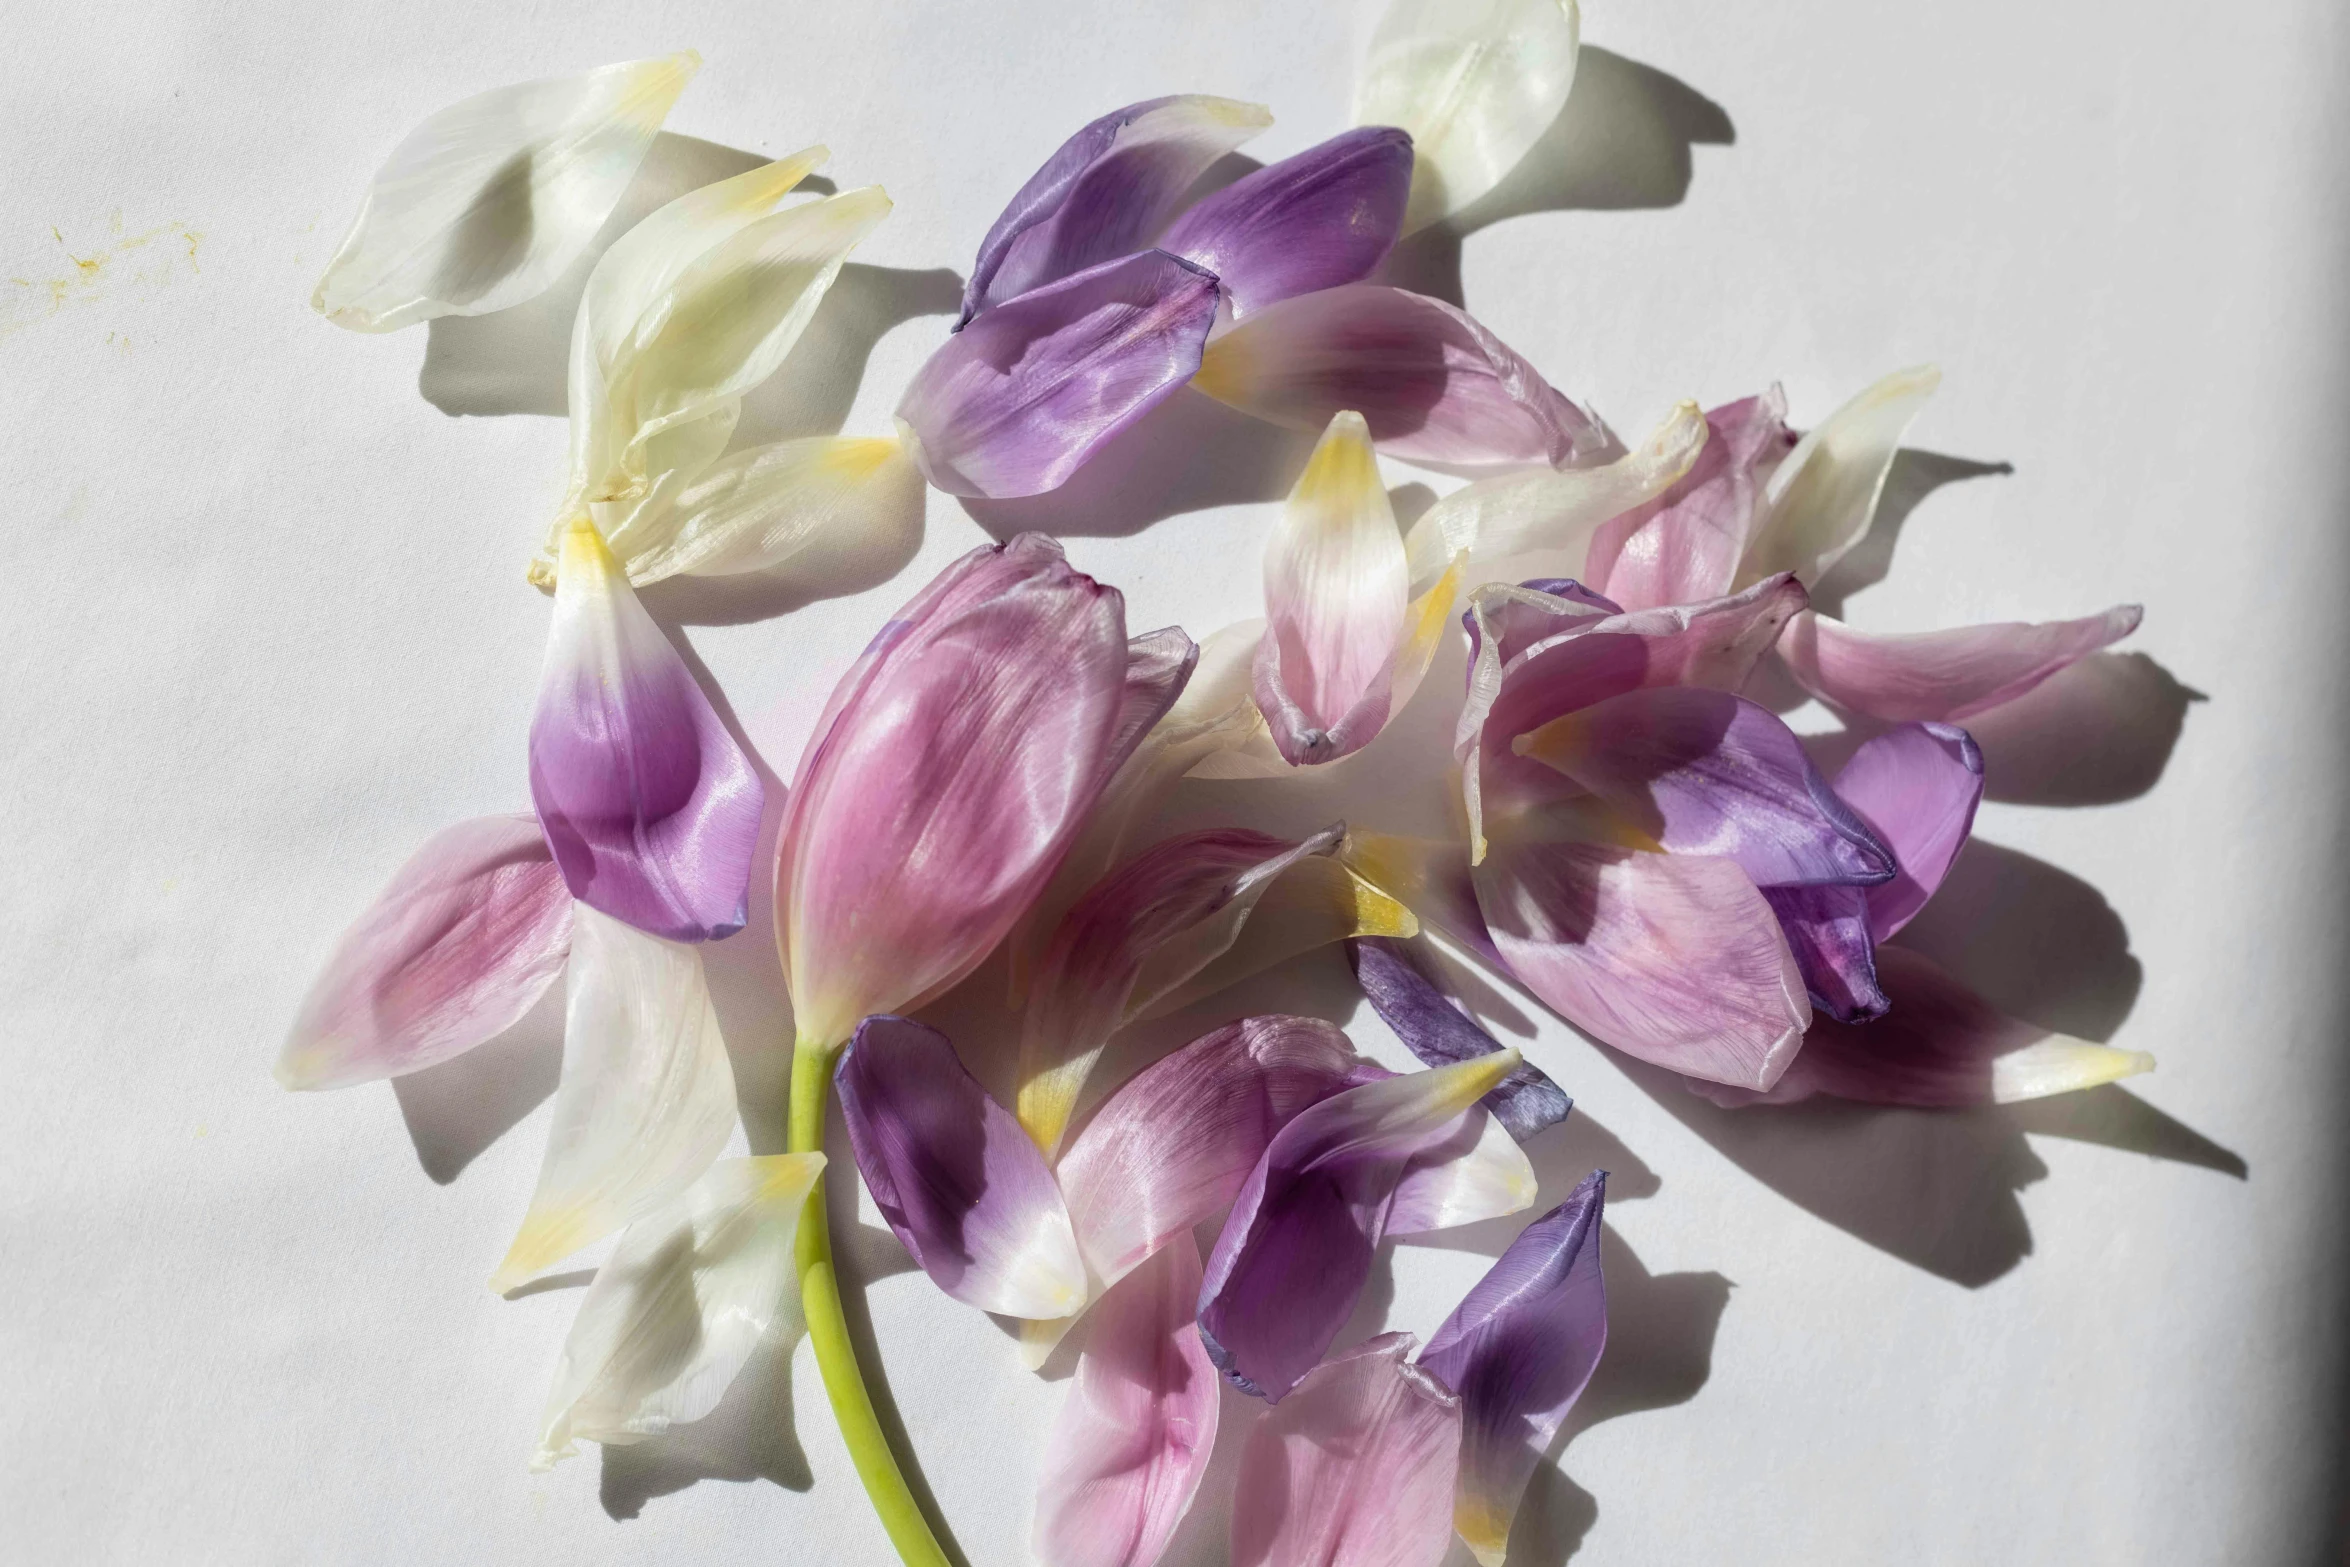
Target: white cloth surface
<point>265,628</point>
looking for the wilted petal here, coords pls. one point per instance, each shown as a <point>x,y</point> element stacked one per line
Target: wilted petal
<point>646,1099</point>
<point>1686,545</point>
<point>1941,675</point>
<point>1335,594</point>
<point>651,808</point>
<point>1674,958</point>
<point>486,203</point>
<point>1134,1433</point>
<point>1292,1258</point>
<point>1105,192</point>
<point>1551,508</point>
<point>465,939</point>
<point>1940,1045</point>
<point>1324,217</point>
<point>1707,772</point>
<point>948,774</point>
<point>1430,876</point>
<point>1822,498</point>
<point>685,1298</point>
<point>1017,401</point>
<point>1827,928</point>
<point>1144,929</point>
<point>756,509</point>
<point>1477,1173</point>
<point>958,1181</point>
<point>1316,903</point>
<point>1519,1351</point>
<point>1435,386</point>
<point>1440,1033</point>
<point>1918,786</point>
<point>1476,84</point>
<point>1354,1469</point>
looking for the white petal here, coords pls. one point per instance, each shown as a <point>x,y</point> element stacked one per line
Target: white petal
<point>1318,902</point>
<point>685,1298</point>
<point>756,509</point>
<point>646,1099</point>
<point>1481,1174</point>
<point>1823,497</point>
<point>1476,82</point>
<point>485,204</point>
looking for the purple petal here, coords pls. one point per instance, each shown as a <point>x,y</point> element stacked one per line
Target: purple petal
<point>1018,400</point>
<point>1940,675</point>
<point>1674,958</point>
<point>462,942</point>
<point>1827,928</point>
<point>1355,1469</point>
<point>1133,1436</point>
<point>1105,192</point>
<point>1325,217</point>
<point>1918,786</point>
<point>959,1182</point>
<point>1939,1046</point>
<point>1707,772</point>
<point>650,808</point>
<point>1158,667</point>
<point>1435,386</point>
<point>1685,546</point>
<point>1437,1031</point>
<point>1519,1351</point>
<point>1292,1258</point>
<point>954,767</point>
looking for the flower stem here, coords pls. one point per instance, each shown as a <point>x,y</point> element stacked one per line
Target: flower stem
<point>828,1328</point>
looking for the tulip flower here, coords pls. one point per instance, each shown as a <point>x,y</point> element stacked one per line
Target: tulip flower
<point>488,202</point>
<point>944,781</point>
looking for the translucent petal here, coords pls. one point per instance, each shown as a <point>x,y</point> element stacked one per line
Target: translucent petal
<point>1317,902</point>
<point>1322,218</point>
<point>1941,675</point>
<point>756,509</point>
<point>1918,786</point>
<point>1822,498</point>
<point>1687,544</point>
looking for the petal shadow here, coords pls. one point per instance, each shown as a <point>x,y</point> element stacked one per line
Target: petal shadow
<point>749,1436</point>
<point>460,1106</point>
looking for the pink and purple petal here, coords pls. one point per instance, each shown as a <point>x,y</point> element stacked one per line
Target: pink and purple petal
<point>959,1182</point>
<point>1827,928</point>
<point>1519,1351</point>
<point>1435,1029</point>
<point>1918,786</point>
<point>1323,218</point>
<point>1685,546</point>
<point>650,807</point>
<point>462,942</point>
<point>1941,676</point>
<point>1158,667</point>
<point>1018,400</point>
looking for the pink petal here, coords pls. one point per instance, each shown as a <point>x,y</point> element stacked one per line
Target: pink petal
<point>1940,675</point>
<point>1684,546</point>
<point>467,936</point>
<point>1353,1469</point>
<point>1133,1437</point>
<point>1918,786</point>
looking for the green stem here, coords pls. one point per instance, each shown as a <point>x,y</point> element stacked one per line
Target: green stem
<point>828,1327</point>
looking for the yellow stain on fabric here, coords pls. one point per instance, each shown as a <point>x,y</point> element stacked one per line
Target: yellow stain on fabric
<point>97,268</point>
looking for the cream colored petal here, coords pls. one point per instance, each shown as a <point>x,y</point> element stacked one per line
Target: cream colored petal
<point>686,1297</point>
<point>1316,903</point>
<point>2060,1064</point>
<point>1823,497</point>
<point>1480,1174</point>
<point>485,204</point>
<point>1476,82</point>
<point>1424,624</point>
<point>1548,508</point>
<point>646,1099</point>
<point>756,509</point>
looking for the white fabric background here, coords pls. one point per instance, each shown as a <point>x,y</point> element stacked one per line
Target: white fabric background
<point>265,628</point>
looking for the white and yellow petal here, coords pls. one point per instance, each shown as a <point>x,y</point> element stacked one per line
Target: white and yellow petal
<point>1822,498</point>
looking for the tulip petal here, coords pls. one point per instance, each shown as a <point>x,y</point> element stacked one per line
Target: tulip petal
<point>1318,902</point>
<point>1354,1469</point>
<point>1822,498</point>
<point>1939,1046</point>
<point>1293,1257</point>
<point>1430,876</point>
<point>1105,192</point>
<point>1440,1033</point>
<point>485,204</point>
<point>1707,772</point>
<point>1141,931</point>
<point>646,1099</point>
<point>1674,958</point>
<point>1519,1350</point>
<point>1018,400</point>
<point>1435,387</point>
<point>1133,1436</point>
<point>1325,217</point>
<point>1918,786</point>
<point>1685,546</point>
<point>756,509</point>
<point>1940,676</point>
<point>1477,1173</point>
<point>945,780</point>
<point>1552,508</point>
<point>959,1182</point>
<point>462,942</point>
<point>1335,595</point>
<point>691,1290</point>
<point>1476,84</point>
<point>1827,928</point>
<point>651,808</point>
